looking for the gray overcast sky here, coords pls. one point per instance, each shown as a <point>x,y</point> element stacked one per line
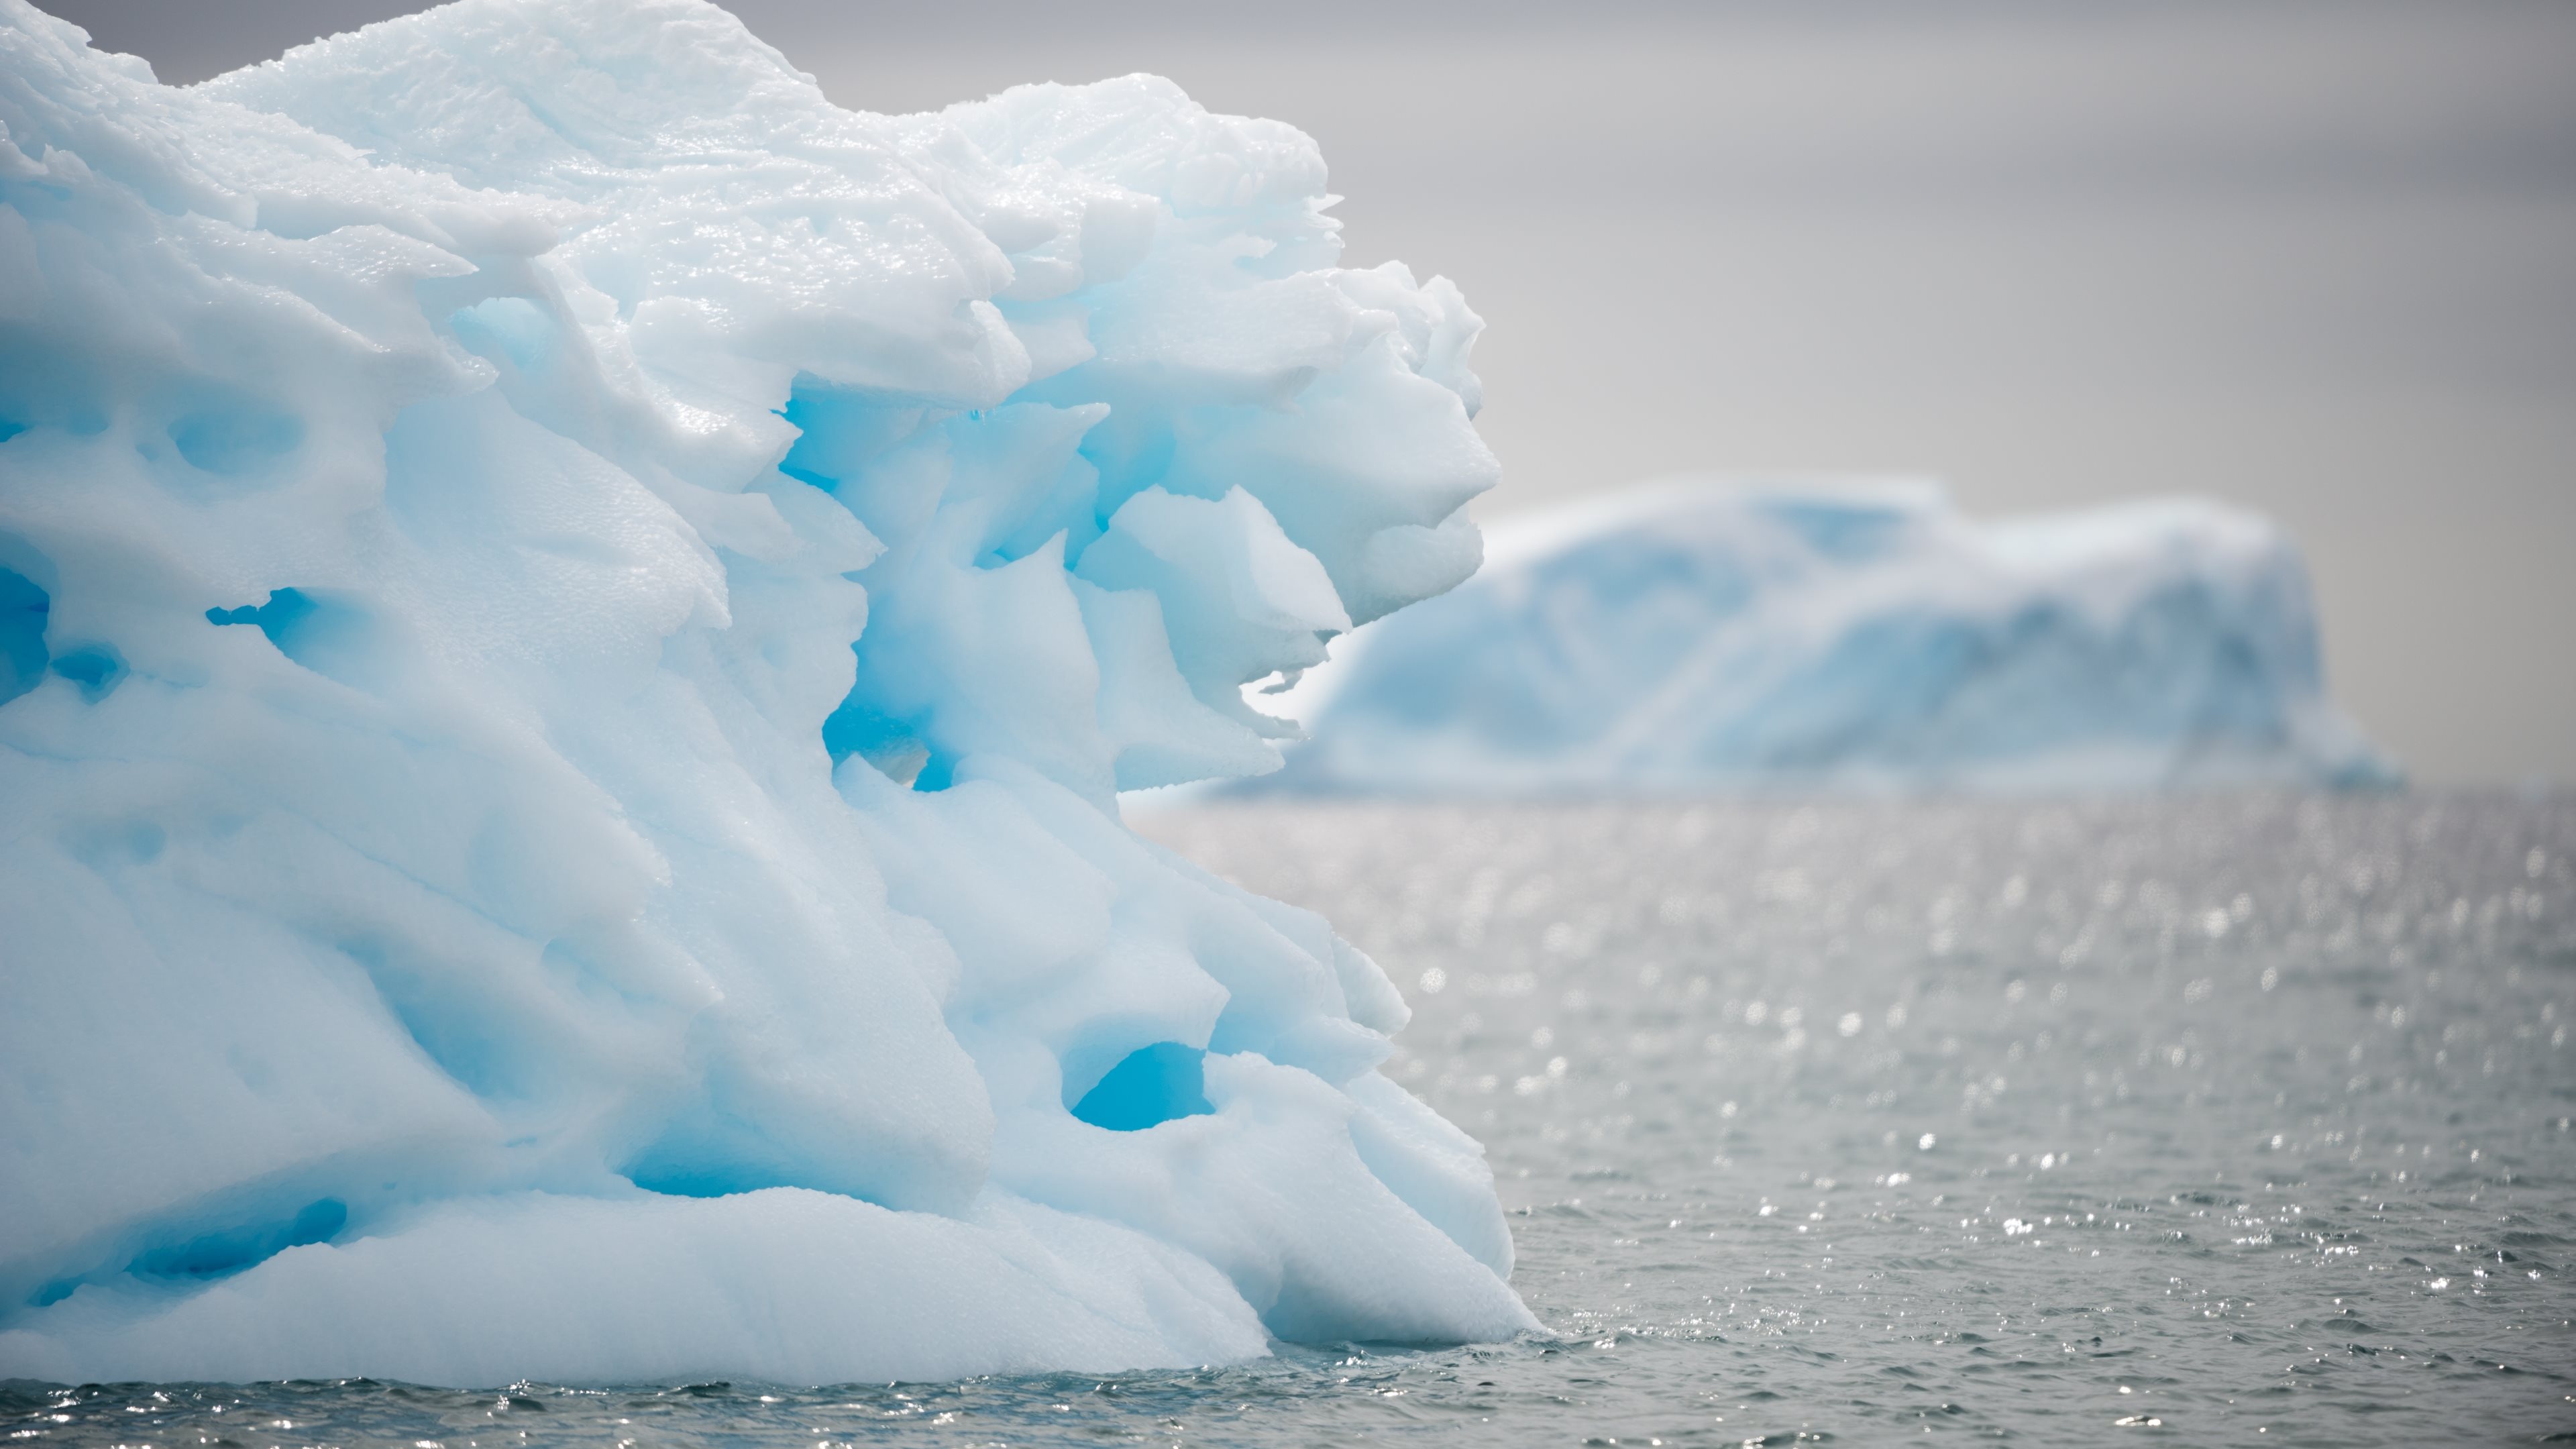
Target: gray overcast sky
<point>2318,258</point>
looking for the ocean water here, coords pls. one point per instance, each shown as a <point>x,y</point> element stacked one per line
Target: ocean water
<point>2228,1119</point>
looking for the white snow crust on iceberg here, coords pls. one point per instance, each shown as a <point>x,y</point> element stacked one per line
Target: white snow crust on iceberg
<point>1843,634</point>
<point>572,618</point>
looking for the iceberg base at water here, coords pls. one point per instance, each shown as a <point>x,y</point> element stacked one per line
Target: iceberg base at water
<point>572,621</point>
<point>1844,635</point>
<point>794,1285</point>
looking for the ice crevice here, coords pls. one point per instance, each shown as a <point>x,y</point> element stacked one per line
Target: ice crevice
<point>572,621</point>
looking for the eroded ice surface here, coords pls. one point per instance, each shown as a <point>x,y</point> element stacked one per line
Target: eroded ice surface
<point>1844,635</point>
<point>471,908</point>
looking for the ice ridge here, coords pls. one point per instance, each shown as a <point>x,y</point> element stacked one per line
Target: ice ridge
<point>572,617</point>
<point>1844,635</point>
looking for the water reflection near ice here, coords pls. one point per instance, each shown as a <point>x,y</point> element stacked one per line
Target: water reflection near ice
<point>2238,1113</point>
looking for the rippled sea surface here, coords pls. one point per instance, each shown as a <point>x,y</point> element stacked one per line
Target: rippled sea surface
<point>2220,1120</point>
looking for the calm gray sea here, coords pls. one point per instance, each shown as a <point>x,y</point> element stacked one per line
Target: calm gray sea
<point>2230,1119</point>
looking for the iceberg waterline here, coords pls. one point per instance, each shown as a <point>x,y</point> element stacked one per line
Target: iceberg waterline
<point>1853,634</point>
<point>571,619</point>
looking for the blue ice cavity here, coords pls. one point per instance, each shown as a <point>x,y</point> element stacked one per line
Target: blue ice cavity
<point>325,632</point>
<point>1846,635</point>
<point>651,585</point>
<point>222,1253</point>
<point>24,609</point>
<point>1150,1086</point>
<point>232,437</point>
<point>279,617</point>
<point>94,668</point>
<point>513,327</point>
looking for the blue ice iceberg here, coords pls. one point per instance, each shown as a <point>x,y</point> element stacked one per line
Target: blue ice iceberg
<point>1844,635</point>
<point>571,621</point>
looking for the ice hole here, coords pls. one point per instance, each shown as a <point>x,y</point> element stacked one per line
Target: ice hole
<point>713,1153</point>
<point>236,439</point>
<point>24,610</point>
<point>228,1251</point>
<point>887,743</point>
<point>96,668</point>
<point>324,635</point>
<point>840,431</point>
<point>698,1179</point>
<point>512,327</point>
<point>1151,1084</point>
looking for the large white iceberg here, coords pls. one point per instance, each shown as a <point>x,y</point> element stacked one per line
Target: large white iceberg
<point>571,621</point>
<point>1844,634</point>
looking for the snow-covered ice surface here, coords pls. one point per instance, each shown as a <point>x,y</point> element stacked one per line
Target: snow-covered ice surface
<point>571,620</point>
<point>1845,635</point>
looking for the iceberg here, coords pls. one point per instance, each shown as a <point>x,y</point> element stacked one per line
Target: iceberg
<point>572,619</point>
<point>1843,635</point>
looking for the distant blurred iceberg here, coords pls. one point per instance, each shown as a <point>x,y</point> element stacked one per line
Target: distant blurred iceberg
<point>1859,635</point>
